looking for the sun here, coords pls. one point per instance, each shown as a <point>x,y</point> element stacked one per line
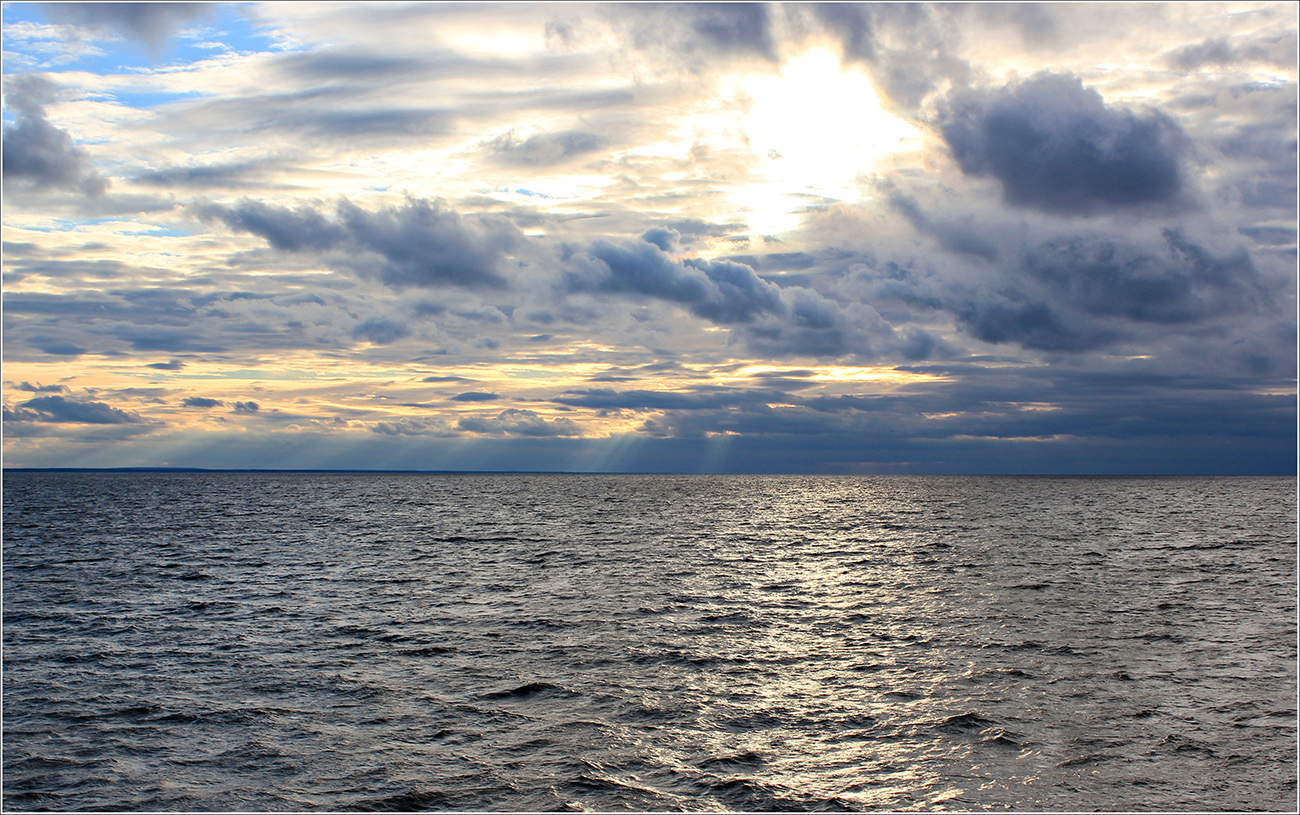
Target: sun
<point>814,128</point>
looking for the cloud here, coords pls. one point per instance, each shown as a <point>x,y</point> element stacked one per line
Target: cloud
<point>381,331</point>
<point>475,396</point>
<point>419,244</point>
<point>1278,50</point>
<point>38,155</point>
<point>170,365</point>
<point>148,23</point>
<point>1182,284</point>
<point>56,347</point>
<point>962,238</point>
<point>516,422</point>
<point>247,408</point>
<point>732,27</point>
<point>411,427</point>
<point>1033,324</point>
<point>910,48</point>
<point>30,388</point>
<point>720,291</point>
<point>57,410</point>
<point>201,402</point>
<point>1080,292</point>
<point>225,175</point>
<point>352,65</point>
<point>165,340</point>
<point>543,149</point>
<point>770,319</point>
<point>699,398</point>
<point>331,114</point>
<point>1056,146</point>
<point>698,33</point>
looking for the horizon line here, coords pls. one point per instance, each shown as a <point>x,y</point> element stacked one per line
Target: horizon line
<point>345,470</point>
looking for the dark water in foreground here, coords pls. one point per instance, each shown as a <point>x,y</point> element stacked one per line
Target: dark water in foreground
<point>292,642</point>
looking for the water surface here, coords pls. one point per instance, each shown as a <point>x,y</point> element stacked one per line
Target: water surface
<point>223,641</point>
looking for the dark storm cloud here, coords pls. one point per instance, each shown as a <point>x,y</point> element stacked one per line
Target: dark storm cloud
<point>38,155</point>
<point>421,243</point>
<point>1033,324</point>
<point>516,422</point>
<point>1081,292</point>
<point>201,402</point>
<point>543,149</point>
<point>148,23</point>
<point>58,410</point>
<point>1182,284</point>
<point>1055,146</point>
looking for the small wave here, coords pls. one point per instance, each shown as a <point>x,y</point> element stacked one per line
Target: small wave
<point>752,795</point>
<point>1024,645</point>
<point>965,723</point>
<point>527,690</point>
<point>31,797</point>
<point>743,759</point>
<point>901,695</point>
<point>1183,744</point>
<point>409,801</point>
<point>1087,758</point>
<point>427,651</point>
<point>622,787</point>
<point>1002,738</point>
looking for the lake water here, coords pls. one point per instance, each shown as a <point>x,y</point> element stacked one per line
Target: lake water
<point>245,641</point>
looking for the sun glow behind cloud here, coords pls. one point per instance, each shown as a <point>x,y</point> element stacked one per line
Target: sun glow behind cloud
<point>816,126</point>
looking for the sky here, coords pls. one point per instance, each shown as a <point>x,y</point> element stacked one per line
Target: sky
<point>821,238</point>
